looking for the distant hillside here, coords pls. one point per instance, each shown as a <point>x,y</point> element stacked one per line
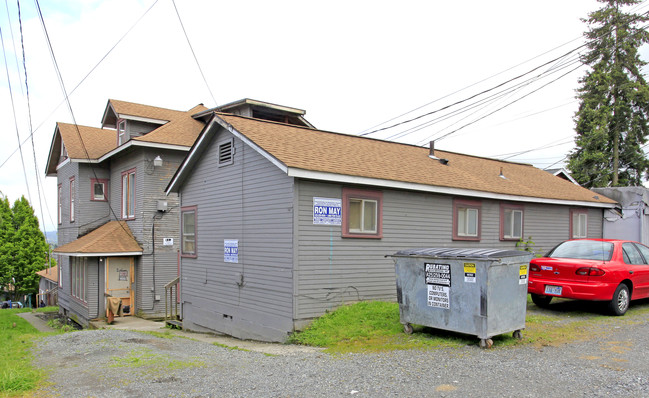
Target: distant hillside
<point>51,237</point>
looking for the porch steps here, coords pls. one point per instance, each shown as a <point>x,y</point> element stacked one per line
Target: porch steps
<point>176,324</point>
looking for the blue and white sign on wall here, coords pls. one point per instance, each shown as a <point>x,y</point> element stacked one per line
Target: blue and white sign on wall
<point>327,211</point>
<point>230,251</point>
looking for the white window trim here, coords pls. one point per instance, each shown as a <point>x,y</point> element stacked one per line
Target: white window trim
<point>512,224</point>
<point>467,212</point>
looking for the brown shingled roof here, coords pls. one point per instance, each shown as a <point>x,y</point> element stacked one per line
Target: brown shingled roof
<point>51,273</point>
<point>147,111</point>
<point>321,151</point>
<point>114,237</point>
<point>96,141</point>
<point>181,130</point>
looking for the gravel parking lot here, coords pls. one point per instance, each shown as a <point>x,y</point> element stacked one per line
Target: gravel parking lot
<point>117,363</point>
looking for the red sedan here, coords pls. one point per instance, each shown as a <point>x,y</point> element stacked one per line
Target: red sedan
<point>615,271</point>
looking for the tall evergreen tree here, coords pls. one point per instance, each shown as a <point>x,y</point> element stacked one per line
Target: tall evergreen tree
<point>611,123</point>
<point>23,249</point>
<point>6,243</point>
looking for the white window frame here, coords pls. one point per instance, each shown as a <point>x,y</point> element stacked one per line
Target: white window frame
<point>464,210</point>
<point>60,205</point>
<point>78,278</point>
<point>121,132</point>
<point>104,184</point>
<point>507,228</point>
<point>578,224</point>
<point>72,197</point>
<point>128,194</point>
<point>188,236</point>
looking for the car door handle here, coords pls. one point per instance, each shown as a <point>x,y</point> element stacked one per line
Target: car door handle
<point>631,272</point>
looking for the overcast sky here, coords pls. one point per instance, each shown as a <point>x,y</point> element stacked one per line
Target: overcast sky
<point>351,65</point>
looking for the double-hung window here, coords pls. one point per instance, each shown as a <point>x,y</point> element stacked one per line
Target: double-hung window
<point>72,198</point>
<point>466,219</point>
<point>78,278</point>
<point>578,223</point>
<point>121,132</point>
<point>362,213</point>
<point>128,194</point>
<point>188,231</point>
<point>511,222</point>
<point>60,204</point>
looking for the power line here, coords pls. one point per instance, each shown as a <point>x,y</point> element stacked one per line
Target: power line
<point>193,53</point>
<point>29,113</point>
<point>67,100</point>
<point>473,96</point>
<point>13,109</point>
<point>83,80</point>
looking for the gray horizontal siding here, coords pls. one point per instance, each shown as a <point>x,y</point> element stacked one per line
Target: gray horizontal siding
<point>334,270</point>
<point>250,201</point>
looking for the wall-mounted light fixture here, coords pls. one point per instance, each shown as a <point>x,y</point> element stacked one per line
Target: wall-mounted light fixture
<point>157,162</point>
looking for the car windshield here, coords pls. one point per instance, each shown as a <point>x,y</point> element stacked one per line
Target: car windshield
<point>583,249</point>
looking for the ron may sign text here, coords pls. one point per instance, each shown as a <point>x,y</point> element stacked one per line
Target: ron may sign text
<point>327,211</point>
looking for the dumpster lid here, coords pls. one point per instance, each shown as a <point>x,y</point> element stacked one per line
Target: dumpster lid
<point>447,252</point>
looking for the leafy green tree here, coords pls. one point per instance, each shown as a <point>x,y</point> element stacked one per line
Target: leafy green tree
<point>23,249</point>
<point>611,123</point>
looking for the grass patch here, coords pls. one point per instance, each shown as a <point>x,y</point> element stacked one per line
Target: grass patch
<point>144,357</point>
<point>16,335</point>
<point>370,326</point>
<point>374,327</point>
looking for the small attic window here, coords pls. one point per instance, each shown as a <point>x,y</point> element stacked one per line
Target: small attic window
<point>225,152</point>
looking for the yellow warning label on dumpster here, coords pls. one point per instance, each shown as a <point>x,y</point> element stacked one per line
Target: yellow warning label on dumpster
<point>469,272</point>
<point>522,275</point>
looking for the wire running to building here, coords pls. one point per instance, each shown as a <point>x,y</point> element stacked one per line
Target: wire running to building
<point>13,109</point>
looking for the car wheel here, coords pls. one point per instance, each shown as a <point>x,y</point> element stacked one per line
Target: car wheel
<point>620,302</point>
<point>541,301</point>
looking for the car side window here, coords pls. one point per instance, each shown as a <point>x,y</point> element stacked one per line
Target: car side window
<point>644,250</point>
<point>631,255</point>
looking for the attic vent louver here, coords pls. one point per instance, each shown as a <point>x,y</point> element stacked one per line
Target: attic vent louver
<point>226,153</point>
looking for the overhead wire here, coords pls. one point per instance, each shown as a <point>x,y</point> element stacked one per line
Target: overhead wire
<point>29,113</point>
<point>13,42</point>
<point>69,105</point>
<point>482,103</point>
<point>13,109</point>
<point>564,59</point>
<point>63,101</point>
<point>193,53</point>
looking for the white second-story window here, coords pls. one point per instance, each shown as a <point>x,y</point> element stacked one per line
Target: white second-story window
<point>128,194</point>
<point>121,132</point>
<point>72,198</point>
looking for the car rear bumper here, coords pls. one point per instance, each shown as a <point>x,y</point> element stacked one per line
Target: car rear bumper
<point>574,290</point>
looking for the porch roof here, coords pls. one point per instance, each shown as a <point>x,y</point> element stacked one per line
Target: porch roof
<point>111,239</point>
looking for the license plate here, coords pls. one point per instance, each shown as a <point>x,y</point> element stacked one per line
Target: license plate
<point>555,290</point>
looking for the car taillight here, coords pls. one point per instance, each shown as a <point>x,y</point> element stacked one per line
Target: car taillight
<point>590,271</point>
<point>534,267</point>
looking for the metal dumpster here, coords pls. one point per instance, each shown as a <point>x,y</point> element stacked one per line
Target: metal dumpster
<point>482,292</point>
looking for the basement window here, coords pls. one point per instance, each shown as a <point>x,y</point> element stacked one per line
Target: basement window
<point>225,152</point>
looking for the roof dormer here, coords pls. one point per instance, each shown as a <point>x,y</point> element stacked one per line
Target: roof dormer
<point>261,110</point>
